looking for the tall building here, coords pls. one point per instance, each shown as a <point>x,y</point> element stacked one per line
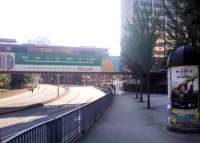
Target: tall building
<point>6,40</point>
<point>128,11</point>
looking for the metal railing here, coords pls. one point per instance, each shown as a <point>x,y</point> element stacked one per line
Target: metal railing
<point>67,127</point>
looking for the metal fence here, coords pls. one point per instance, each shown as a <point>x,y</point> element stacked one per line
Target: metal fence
<point>67,127</point>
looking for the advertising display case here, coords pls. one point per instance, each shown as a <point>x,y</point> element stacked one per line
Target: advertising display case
<point>183,90</point>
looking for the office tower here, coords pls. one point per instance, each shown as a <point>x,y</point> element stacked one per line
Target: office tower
<point>128,11</point>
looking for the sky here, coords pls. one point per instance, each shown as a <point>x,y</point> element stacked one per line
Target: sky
<point>64,22</point>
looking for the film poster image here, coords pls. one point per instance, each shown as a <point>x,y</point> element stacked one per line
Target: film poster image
<point>184,95</point>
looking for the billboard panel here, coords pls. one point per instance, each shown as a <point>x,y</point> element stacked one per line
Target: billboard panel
<point>49,62</point>
<point>184,93</point>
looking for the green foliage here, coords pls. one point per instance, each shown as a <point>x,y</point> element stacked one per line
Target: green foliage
<point>129,48</point>
<point>20,80</point>
<point>184,25</point>
<point>191,18</point>
<point>141,34</point>
<point>3,80</point>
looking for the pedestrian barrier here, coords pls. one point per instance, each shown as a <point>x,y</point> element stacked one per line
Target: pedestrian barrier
<point>67,127</point>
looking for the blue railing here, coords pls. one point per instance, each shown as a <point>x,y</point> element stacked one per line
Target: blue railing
<point>67,127</point>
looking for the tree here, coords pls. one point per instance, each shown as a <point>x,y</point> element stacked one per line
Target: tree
<point>141,34</point>
<point>20,80</point>
<point>129,56</point>
<point>3,80</point>
<point>191,19</point>
<point>184,22</point>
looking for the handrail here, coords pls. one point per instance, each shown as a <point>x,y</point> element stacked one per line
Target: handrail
<point>99,107</point>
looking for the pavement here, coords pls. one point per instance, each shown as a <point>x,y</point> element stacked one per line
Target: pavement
<point>26,99</point>
<point>129,121</point>
<point>4,93</point>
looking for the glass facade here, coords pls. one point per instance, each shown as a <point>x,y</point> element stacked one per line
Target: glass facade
<point>161,48</point>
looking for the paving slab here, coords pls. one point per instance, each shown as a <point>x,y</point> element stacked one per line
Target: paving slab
<point>129,121</point>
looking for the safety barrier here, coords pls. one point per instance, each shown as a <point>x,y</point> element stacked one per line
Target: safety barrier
<point>67,127</point>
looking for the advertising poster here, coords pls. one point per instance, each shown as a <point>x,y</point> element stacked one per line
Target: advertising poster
<point>7,61</point>
<point>49,62</point>
<point>183,89</point>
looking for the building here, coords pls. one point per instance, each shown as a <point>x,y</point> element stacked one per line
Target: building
<point>42,57</point>
<point>108,63</point>
<point>127,12</point>
<point>6,40</point>
<point>32,48</point>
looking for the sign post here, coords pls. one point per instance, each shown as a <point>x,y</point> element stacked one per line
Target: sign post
<point>58,81</point>
<point>183,90</point>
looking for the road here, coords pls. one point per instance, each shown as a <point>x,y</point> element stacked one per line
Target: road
<point>13,123</point>
<point>39,95</point>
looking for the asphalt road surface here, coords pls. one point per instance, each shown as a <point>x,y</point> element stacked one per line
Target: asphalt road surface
<point>129,121</point>
<point>41,94</point>
<point>12,123</point>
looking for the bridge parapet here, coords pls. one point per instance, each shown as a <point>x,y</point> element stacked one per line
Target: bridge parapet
<point>67,127</point>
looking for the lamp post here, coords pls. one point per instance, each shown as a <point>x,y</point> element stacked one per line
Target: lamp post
<point>58,78</point>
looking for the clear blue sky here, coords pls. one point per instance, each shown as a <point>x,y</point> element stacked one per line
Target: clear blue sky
<point>64,22</point>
